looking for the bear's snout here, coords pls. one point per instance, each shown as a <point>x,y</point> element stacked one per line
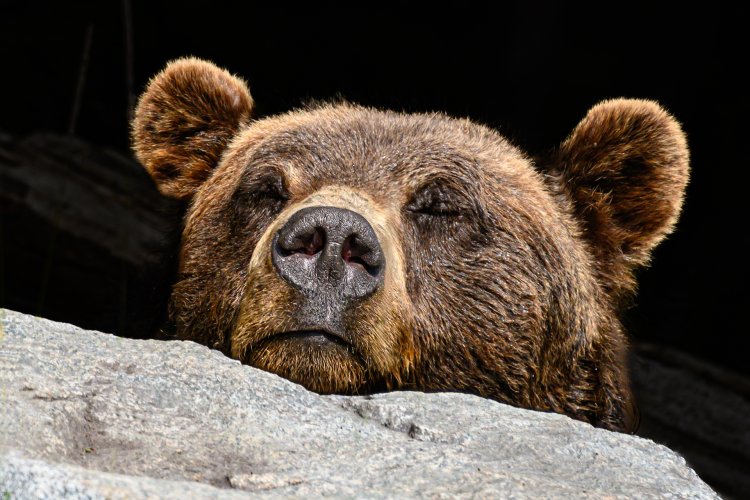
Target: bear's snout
<point>324,250</point>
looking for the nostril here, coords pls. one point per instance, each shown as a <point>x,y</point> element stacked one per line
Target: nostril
<point>360,255</point>
<point>329,250</point>
<point>314,244</point>
<point>307,242</point>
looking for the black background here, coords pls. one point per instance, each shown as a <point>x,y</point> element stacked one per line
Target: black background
<point>531,71</point>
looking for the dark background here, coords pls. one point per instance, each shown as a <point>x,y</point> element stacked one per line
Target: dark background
<point>530,70</point>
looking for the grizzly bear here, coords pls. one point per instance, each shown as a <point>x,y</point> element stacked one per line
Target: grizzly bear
<point>354,250</point>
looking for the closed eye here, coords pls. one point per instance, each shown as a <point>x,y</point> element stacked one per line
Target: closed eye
<point>270,186</point>
<point>439,201</point>
<point>259,197</point>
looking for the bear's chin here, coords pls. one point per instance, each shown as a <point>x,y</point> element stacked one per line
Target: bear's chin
<point>317,360</point>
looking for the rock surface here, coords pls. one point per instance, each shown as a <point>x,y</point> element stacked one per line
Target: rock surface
<point>94,194</point>
<point>89,415</point>
<point>699,409</point>
<point>86,237</point>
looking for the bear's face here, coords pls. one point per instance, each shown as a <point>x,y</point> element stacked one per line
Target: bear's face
<point>383,238</point>
<point>353,250</point>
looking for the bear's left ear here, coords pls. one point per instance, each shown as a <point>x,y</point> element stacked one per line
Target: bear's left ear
<point>184,121</point>
<point>625,169</point>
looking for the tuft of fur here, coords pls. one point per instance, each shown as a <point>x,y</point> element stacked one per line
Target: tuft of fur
<point>625,169</point>
<point>183,122</point>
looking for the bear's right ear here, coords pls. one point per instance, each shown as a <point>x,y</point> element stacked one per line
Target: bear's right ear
<point>184,121</point>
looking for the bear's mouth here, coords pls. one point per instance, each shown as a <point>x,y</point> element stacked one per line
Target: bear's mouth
<point>319,359</point>
<point>311,337</point>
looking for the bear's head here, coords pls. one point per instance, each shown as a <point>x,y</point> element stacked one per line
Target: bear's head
<point>355,250</point>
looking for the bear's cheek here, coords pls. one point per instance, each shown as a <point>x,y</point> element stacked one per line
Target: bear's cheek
<point>478,309</point>
<point>279,326</point>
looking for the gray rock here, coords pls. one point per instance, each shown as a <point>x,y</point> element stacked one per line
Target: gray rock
<point>90,415</point>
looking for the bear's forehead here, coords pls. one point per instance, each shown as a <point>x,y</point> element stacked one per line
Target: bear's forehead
<point>351,144</point>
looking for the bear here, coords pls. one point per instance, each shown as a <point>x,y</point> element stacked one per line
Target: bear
<point>355,250</point>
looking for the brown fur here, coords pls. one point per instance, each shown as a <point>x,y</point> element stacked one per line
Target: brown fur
<point>625,168</point>
<point>184,124</point>
<point>508,288</point>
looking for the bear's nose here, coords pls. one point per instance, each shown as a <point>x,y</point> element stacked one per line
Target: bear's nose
<point>329,249</point>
